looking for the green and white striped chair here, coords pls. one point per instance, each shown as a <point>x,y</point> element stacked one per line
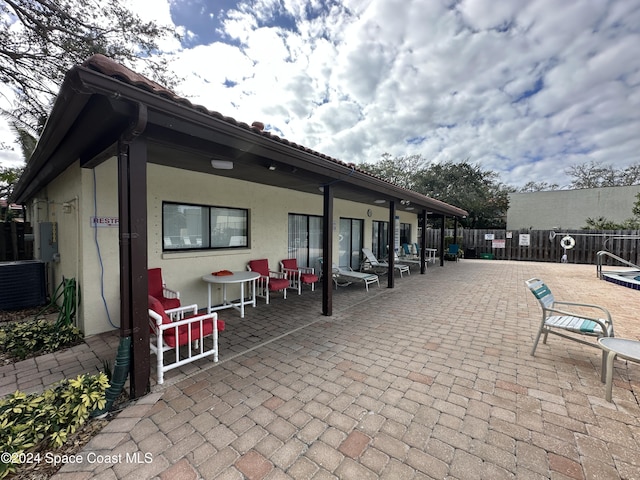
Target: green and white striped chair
<point>560,318</point>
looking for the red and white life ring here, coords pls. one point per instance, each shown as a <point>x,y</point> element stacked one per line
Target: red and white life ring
<point>567,242</point>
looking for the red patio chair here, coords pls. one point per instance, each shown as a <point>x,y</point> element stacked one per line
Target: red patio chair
<point>298,275</point>
<point>157,289</point>
<point>269,281</point>
<point>183,331</point>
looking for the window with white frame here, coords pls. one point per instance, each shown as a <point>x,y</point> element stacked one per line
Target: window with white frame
<point>203,227</point>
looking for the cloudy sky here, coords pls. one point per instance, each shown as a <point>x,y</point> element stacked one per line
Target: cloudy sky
<point>522,87</point>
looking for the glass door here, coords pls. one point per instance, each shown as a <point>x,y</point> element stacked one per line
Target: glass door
<point>305,239</point>
<point>350,242</point>
<point>380,239</point>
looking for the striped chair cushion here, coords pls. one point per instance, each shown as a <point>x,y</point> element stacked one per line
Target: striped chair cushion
<point>575,324</point>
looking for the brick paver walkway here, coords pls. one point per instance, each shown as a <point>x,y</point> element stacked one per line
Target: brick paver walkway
<point>432,379</point>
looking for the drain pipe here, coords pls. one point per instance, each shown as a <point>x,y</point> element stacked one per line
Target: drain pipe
<point>122,365</point>
<point>118,377</point>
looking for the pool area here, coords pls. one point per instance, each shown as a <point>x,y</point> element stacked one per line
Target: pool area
<point>625,278</point>
<point>626,274</point>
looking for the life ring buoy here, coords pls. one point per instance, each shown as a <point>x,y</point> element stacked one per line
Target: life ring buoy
<point>567,242</point>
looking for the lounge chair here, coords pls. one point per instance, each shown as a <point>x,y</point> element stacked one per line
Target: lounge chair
<point>407,251</point>
<point>409,260</point>
<point>372,263</point>
<point>343,276</point>
<point>563,319</point>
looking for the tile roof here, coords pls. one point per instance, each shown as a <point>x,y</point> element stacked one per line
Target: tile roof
<point>107,66</point>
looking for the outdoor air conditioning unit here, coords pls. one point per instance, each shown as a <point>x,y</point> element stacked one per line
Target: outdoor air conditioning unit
<point>22,284</point>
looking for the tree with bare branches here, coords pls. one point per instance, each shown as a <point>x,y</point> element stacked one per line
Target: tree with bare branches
<point>40,40</point>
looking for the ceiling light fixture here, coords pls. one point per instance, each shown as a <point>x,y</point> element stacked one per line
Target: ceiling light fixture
<point>221,164</point>
<point>379,201</point>
<point>409,208</point>
<point>272,167</point>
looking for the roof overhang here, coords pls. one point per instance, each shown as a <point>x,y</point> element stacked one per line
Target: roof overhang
<point>93,111</point>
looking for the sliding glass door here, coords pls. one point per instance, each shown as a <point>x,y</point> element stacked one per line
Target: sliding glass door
<point>350,242</point>
<point>305,239</point>
<point>380,239</point>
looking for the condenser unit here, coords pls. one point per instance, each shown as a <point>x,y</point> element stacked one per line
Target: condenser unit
<point>22,284</point>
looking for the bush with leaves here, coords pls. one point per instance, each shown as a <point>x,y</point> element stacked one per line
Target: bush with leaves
<point>31,337</point>
<point>32,422</point>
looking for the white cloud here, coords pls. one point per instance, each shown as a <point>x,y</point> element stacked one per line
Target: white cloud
<point>526,88</point>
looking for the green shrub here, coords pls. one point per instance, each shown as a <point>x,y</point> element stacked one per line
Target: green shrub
<point>35,337</point>
<point>29,422</point>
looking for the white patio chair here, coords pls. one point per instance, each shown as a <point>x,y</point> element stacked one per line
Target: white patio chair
<point>343,276</point>
<point>566,319</point>
<point>374,264</point>
<point>183,331</point>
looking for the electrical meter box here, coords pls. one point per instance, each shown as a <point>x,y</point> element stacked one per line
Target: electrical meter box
<point>48,241</point>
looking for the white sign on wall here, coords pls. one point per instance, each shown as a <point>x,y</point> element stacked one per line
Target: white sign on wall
<point>525,239</point>
<point>105,222</point>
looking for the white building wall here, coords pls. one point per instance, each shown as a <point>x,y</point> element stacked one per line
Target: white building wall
<point>569,209</point>
<point>92,254</point>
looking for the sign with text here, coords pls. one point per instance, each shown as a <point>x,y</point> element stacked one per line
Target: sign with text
<point>525,239</point>
<point>498,243</point>
<point>104,222</point>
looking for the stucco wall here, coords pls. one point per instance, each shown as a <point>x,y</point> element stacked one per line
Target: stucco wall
<point>69,202</point>
<point>92,254</point>
<point>569,209</point>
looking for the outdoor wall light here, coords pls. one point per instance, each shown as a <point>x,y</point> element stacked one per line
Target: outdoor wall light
<point>222,164</point>
<point>409,208</point>
<point>379,201</point>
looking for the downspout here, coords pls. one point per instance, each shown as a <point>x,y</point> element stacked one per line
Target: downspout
<point>122,365</point>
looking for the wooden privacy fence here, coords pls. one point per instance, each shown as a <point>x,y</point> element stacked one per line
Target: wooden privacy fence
<point>542,245</point>
<point>16,241</point>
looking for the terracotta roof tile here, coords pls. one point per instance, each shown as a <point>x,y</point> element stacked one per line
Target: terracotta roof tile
<point>109,67</point>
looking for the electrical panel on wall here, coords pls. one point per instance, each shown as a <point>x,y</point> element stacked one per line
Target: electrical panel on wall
<point>48,241</point>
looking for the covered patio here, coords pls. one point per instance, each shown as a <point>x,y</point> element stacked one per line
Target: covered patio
<point>430,379</point>
<point>168,171</point>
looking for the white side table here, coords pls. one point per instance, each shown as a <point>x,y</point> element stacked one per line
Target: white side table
<point>618,347</point>
<point>224,280</point>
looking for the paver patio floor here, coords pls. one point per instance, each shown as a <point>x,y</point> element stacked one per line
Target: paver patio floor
<point>431,379</point>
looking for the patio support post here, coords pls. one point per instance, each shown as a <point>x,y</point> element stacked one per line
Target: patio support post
<point>422,222</point>
<point>391,241</point>
<point>132,210</point>
<point>327,251</point>
<point>442,252</point>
